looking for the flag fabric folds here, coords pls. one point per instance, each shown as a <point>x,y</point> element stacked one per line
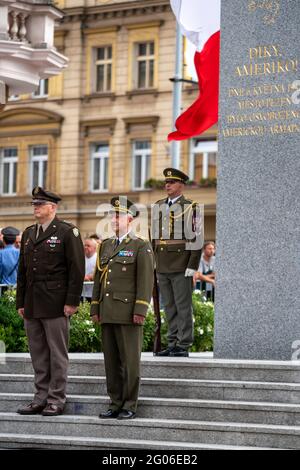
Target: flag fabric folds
<point>198,19</point>
<point>200,23</point>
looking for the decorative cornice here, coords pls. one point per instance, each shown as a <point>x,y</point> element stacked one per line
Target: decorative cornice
<point>110,29</point>
<point>38,116</point>
<point>100,95</point>
<point>140,120</point>
<point>92,123</point>
<point>143,91</point>
<point>29,121</point>
<point>116,10</point>
<point>56,132</point>
<point>144,25</point>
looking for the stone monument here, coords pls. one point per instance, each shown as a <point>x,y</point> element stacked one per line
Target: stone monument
<point>258,208</point>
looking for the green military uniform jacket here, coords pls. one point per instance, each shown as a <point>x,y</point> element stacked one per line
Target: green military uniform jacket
<point>51,270</point>
<point>173,228</point>
<point>123,281</point>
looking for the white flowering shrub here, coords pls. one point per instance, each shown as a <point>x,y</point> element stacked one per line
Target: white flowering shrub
<point>85,336</point>
<point>12,332</point>
<point>203,316</point>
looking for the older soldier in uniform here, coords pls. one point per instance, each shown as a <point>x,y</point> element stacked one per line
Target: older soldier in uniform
<point>175,221</point>
<point>50,279</point>
<point>122,291</point>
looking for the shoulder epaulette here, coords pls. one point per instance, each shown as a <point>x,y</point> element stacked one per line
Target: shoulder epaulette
<point>68,223</point>
<point>106,239</point>
<point>143,239</point>
<point>30,226</point>
<point>161,200</point>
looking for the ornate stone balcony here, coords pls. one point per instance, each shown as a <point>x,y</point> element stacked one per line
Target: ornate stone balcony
<point>27,53</point>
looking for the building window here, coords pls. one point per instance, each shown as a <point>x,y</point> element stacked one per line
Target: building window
<point>9,163</point>
<point>42,91</point>
<point>99,167</point>
<point>38,165</point>
<point>144,65</point>
<point>103,69</point>
<point>203,160</point>
<point>141,163</point>
<point>13,98</point>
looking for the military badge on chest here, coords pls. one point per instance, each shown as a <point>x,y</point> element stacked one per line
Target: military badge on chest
<point>53,242</point>
<point>126,253</point>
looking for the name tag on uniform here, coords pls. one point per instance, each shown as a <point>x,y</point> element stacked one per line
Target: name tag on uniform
<point>126,253</point>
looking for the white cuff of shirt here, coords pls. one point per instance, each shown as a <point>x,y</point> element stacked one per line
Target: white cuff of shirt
<point>189,272</point>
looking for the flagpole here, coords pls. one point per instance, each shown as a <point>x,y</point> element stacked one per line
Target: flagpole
<point>175,146</point>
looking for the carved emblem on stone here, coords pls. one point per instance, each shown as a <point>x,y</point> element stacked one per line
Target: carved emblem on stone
<point>270,9</point>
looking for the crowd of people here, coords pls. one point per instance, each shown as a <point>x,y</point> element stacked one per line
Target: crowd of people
<point>10,242</point>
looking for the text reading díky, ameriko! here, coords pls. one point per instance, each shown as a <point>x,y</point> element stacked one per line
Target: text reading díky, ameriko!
<point>267,60</point>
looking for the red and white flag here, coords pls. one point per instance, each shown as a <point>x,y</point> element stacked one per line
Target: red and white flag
<point>200,22</point>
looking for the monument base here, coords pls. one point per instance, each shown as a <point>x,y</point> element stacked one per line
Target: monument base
<point>258,204</point>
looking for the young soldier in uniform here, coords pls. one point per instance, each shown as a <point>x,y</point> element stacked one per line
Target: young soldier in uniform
<point>177,255</point>
<point>122,291</point>
<point>49,285</point>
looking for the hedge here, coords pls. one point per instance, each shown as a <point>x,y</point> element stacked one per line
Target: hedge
<point>85,336</point>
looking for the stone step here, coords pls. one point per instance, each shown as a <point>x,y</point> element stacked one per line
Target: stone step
<point>29,441</point>
<point>171,388</point>
<point>194,367</point>
<point>192,432</point>
<point>179,409</point>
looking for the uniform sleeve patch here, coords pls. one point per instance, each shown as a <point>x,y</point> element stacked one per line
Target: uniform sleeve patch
<point>76,232</point>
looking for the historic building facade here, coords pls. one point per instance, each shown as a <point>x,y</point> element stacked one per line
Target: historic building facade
<point>101,127</point>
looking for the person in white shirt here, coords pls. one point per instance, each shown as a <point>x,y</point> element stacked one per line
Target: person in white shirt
<point>90,250</point>
<point>206,271</point>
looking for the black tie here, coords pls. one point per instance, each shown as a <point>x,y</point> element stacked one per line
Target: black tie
<point>117,243</point>
<point>170,203</point>
<point>39,231</point>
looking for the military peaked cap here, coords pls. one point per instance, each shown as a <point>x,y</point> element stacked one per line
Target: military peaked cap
<point>10,233</point>
<point>124,205</point>
<point>176,175</point>
<point>39,195</point>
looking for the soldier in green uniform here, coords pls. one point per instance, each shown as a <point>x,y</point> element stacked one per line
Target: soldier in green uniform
<point>122,291</point>
<point>177,253</point>
<point>49,285</point>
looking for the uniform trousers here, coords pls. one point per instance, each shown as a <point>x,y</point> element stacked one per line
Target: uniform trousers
<point>176,292</point>
<point>48,340</point>
<point>122,347</point>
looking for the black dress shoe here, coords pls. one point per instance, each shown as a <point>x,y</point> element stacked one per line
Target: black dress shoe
<point>52,410</point>
<point>164,353</point>
<point>126,414</point>
<point>31,409</point>
<point>179,352</point>
<point>109,414</point>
